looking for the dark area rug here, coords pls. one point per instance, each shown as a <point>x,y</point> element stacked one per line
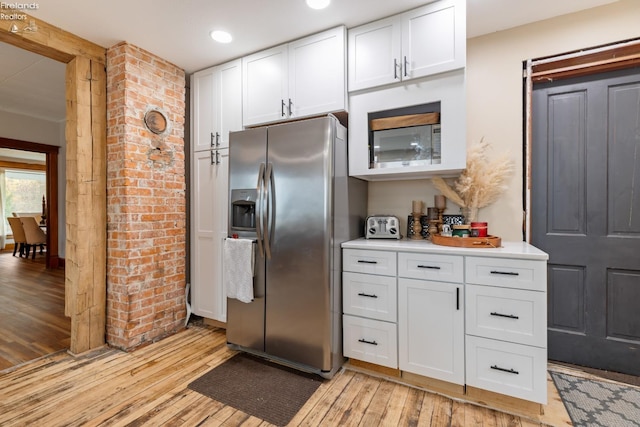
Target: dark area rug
<point>266,390</point>
<point>598,403</point>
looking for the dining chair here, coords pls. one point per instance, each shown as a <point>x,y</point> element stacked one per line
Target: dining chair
<point>19,238</point>
<point>34,235</point>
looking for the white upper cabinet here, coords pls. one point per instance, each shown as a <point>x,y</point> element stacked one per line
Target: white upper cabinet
<point>217,105</point>
<point>203,99</point>
<point>417,43</point>
<point>264,76</point>
<point>229,107</point>
<point>300,79</point>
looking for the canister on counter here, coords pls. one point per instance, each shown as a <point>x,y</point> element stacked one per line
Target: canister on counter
<point>479,229</point>
<point>461,230</point>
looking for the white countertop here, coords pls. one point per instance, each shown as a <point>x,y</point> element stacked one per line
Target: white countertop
<point>519,250</point>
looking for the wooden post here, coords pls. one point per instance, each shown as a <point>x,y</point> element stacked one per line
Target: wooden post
<point>85,291</point>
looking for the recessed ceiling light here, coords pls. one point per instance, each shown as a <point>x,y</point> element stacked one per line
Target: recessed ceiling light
<point>221,36</point>
<point>318,4</point>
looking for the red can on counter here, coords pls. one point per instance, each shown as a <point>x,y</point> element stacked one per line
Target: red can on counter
<point>479,229</point>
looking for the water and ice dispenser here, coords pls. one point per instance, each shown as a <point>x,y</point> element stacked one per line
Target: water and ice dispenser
<point>243,209</point>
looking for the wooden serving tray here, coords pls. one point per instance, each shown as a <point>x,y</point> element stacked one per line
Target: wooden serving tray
<point>467,242</point>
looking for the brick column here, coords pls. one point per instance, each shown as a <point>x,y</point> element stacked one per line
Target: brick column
<point>146,199</point>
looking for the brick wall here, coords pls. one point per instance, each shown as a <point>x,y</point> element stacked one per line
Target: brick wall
<point>146,199</point>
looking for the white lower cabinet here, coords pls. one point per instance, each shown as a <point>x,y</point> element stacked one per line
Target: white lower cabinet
<point>209,229</point>
<point>370,340</point>
<point>506,326</point>
<point>369,301</point>
<point>449,314</point>
<point>513,369</point>
<point>431,329</point>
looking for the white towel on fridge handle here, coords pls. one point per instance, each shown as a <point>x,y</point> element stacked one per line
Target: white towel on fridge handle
<point>238,261</point>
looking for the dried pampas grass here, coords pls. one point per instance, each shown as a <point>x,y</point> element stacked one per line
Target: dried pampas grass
<point>482,182</point>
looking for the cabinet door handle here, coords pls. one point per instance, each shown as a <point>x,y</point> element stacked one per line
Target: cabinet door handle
<point>362,340</point>
<point>212,140</point>
<point>457,298</point>
<point>406,67</point>
<point>395,69</point>
<point>362,294</point>
<point>430,267</point>
<point>509,316</point>
<point>217,158</point>
<point>290,108</point>
<point>213,161</point>
<point>509,371</point>
<point>364,261</point>
<point>505,273</point>
<point>282,107</point>
<point>217,139</point>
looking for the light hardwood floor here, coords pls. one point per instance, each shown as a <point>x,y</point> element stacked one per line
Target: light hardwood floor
<point>149,387</point>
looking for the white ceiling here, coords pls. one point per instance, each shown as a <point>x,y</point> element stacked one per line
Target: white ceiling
<point>178,31</point>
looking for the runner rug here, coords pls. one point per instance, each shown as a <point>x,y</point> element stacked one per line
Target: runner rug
<point>266,390</point>
<point>598,403</point>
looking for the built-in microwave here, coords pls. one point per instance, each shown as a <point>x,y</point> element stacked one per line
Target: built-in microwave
<point>408,145</point>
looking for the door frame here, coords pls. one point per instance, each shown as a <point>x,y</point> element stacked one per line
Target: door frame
<point>86,212</point>
<point>52,260</point>
<point>610,57</point>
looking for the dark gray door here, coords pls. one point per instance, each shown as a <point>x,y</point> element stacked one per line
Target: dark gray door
<point>585,212</point>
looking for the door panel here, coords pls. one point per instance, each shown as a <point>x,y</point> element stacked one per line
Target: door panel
<point>585,213</point>
<point>298,281</point>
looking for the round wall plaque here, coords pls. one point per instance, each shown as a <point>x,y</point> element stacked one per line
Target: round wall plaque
<point>155,121</point>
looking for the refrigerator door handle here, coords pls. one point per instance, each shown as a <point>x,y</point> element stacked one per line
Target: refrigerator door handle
<point>270,196</point>
<point>259,208</point>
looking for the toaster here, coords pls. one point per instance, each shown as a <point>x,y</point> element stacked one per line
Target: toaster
<point>382,227</point>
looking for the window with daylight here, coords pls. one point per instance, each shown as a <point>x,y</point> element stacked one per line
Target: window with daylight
<point>22,191</point>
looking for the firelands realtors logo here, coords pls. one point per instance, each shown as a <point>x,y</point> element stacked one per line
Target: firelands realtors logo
<point>15,11</point>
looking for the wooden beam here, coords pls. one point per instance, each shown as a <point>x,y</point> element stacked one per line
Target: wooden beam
<point>21,165</point>
<point>48,40</point>
<point>86,203</point>
<point>404,121</point>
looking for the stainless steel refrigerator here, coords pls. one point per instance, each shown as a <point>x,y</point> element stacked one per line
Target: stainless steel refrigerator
<point>291,193</point>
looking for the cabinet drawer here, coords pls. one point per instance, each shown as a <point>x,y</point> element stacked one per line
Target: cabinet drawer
<point>444,268</point>
<point>369,295</point>
<point>370,341</point>
<point>507,314</point>
<point>512,369</point>
<point>508,273</point>
<point>372,262</point>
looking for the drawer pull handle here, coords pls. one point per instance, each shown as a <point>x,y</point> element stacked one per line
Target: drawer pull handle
<point>364,261</point>
<point>509,371</point>
<point>362,294</point>
<point>510,316</point>
<point>367,342</point>
<point>430,267</point>
<point>505,273</point>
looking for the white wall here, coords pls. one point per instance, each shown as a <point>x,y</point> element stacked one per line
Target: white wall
<point>495,101</point>
<point>24,128</point>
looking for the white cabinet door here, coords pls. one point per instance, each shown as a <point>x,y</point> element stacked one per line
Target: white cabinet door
<point>216,105</point>
<point>421,42</point>
<point>317,74</point>
<point>264,89</point>
<point>433,39</point>
<point>229,109</point>
<point>370,340</point>
<point>504,367</point>
<point>431,329</point>
<point>209,228</point>
<point>374,50</point>
<point>203,88</point>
